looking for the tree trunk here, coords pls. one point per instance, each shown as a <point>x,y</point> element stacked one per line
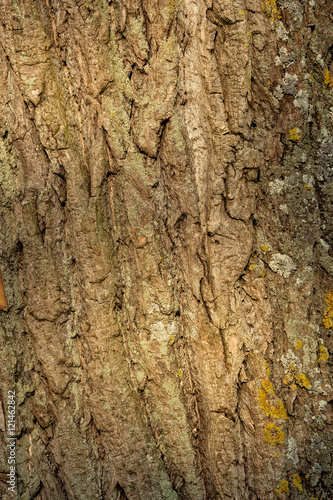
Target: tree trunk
<point>166,249</point>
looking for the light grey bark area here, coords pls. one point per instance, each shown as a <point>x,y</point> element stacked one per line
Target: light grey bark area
<point>166,248</point>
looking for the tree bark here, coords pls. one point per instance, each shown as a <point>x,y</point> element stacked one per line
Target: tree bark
<point>166,248</point>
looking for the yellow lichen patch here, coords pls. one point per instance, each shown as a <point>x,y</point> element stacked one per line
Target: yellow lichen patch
<point>299,344</point>
<point>302,381</point>
<point>290,375</point>
<point>284,487</point>
<point>251,266</point>
<point>263,274</point>
<point>277,411</point>
<point>273,435</point>
<point>268,370</point>
<point>293,377</point>
<point>180,374</point>
<point>264,404</point>
<point>271,10</point>
<point>294,134</point>
<point>173,8</point>
<point>323,354</point>
<point>328,79</point>
<point>265,248</point>
<point>297,482</point>
<point>267,385</point>
<point>172,339</point>
<point>277,454</point>
<point>328,314</point>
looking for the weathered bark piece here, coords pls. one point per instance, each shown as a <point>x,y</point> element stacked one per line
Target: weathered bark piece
<point>166,248</point>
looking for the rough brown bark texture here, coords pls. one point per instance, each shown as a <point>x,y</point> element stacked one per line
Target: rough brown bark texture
<point>166,248</point>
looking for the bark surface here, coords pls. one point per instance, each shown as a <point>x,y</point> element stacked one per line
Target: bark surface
<point>166,237</point>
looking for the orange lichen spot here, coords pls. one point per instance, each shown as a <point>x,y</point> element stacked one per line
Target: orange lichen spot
<point>299,344</point>
<point>328,79</point>
<point>328,314</point>
<point>268,370</point>
<point>297,482</point>
<point>265,248</point>
<point>142,241</point>
<point>323,354</point>
<point>279,411</point>
<point>273,435</point>
<point>284,487</point>
<point>3,303</point>
<point>308,187</point>
<point>267,385</point>
<point>271,10</point>
<point>294,134</point>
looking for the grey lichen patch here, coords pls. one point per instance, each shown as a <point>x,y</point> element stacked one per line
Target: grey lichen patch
<point>308,180</point>
<point>278,93</point>
<point>295,10</point>
<point>301,101</point>
<point>7,176</point>
<point>285,58</point>
<point>288,84</point>
<point>324,244</point>
<point>290,359</point>
<point>292,454</point>
<point>139,39</point>
<point>281,32</point>
<point>277,186</point>
<point>282,264</point>
<point>322,405</point>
